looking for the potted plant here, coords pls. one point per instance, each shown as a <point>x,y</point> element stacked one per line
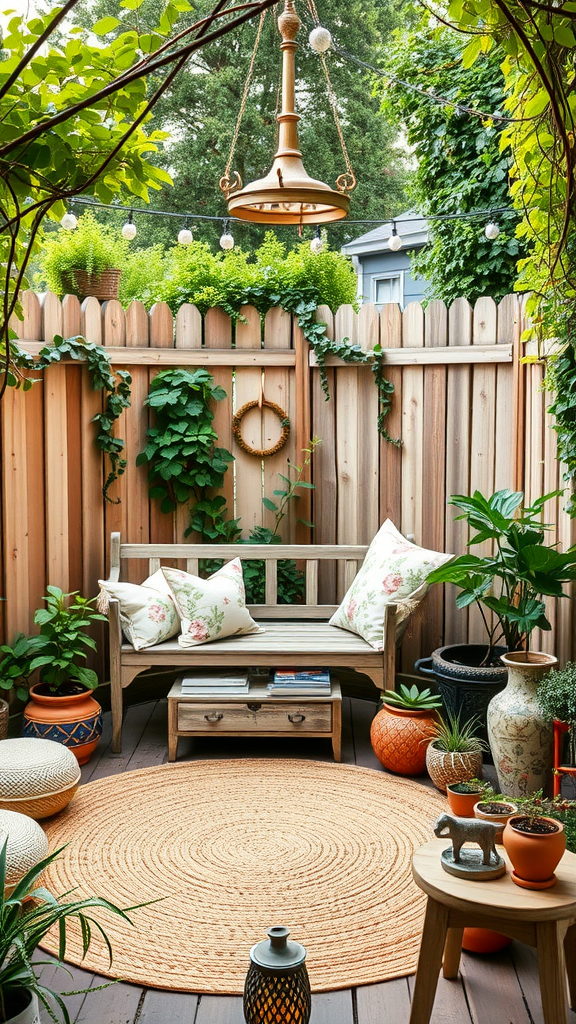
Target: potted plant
<point>556,698</point>
<point>455,752</point>
<point>26,915</point>
<point>495,808</point>
<point>86,261</point>
<point>402,728</point>
<point>535,844</point>
<point>509,585</point>
<point>462,796</point>
<point>61,706</point>
<point>14,672</point>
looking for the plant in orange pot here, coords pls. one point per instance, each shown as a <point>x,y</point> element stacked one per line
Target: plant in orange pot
<point>535,844</point>
<point>61,705</point>
<point>403,727</point>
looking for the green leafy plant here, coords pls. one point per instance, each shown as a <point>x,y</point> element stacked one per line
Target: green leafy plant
<point>411,698</point>
<point>26,916</point>
<point>92,247</point>
<point>181,453</point>
<point>556,697</point>
<point>63,624</point>
<point>522,569</point>
<point>456,737</point>
<point>15,666</point>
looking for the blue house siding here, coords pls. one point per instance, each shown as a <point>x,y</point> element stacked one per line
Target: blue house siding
<point>376,265</point>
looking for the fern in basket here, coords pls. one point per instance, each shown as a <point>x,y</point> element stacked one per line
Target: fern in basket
<point>91,247</point>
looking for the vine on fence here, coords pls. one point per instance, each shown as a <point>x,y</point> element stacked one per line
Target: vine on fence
<point>116,384</point>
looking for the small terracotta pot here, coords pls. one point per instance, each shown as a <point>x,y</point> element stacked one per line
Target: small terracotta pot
<point>75,720</point>
<point>534,857</point>
<point>462,804</point>
<point>498,819</point>
<point>484,940</point>
<point>399,738</point>
<point>444,767</point>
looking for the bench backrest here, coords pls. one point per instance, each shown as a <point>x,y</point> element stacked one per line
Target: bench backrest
<point>346,557</point>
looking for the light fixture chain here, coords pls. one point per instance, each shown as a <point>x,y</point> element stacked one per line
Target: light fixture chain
<point>226,184</point>
<point>345,182</point>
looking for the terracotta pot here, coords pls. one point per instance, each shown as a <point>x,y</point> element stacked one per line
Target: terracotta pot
<point>520,740</point>
<point>534,857</point>
<point>462,804</point>
<point>484,940</point>
<point>75,721</point>
<point>497,818</point>
<point>399,738</point>
<point>444,767</point>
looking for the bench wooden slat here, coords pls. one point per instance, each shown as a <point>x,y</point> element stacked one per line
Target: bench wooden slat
<point>192,566</point>
<point>311,581</point>
<point>271,591</point>
<point>350,570</point>
<point>356,552</point>
<point>153,565</point>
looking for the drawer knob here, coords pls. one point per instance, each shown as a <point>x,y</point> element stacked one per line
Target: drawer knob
<point>253,707</point>
<point>296,719</point>
<point>214,716</point>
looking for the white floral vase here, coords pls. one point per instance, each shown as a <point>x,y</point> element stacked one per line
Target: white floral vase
<point>520,740</point>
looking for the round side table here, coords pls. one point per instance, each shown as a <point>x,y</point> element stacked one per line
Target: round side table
<point>545,919</point>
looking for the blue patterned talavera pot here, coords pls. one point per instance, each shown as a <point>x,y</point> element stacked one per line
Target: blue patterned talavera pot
<point>520,739</point>
<point>75,720</point>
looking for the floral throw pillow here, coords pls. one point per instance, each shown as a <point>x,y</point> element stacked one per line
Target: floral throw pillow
<point>148,614</point>
<point>393,572</point>
<point>211,609</point>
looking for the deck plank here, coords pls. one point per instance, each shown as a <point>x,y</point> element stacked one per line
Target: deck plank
<point>526,965</point>
<point>389,1001</point>
<point>117,1004</point>
<point>161,1007</point>
<point>450,1005</point>
<point>219,1010</point>
<point>329,1007</point>
<point>492,989</point>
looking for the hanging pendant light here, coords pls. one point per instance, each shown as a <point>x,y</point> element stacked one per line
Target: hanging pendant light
<point>288,195</point>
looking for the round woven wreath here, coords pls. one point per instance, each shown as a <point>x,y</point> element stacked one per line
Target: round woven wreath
<point>261,452</point>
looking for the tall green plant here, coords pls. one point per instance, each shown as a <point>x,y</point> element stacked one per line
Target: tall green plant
<point>520,571</point>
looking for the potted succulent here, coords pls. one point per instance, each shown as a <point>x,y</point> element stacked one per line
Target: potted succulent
<point>455,752</point>
<point>403,727</point>
<point>535,844</point>
<point>556,698</point>
<point>86,261</point>
<point>509,584</point>
<point>26,915</point>
<point>61,706</point>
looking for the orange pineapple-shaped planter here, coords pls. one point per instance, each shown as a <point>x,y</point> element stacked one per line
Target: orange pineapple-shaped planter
<point>400,736</point>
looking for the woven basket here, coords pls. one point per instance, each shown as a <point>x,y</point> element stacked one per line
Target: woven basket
<point>444,767</point>
<point>4,715</point>
<point>103,286</point>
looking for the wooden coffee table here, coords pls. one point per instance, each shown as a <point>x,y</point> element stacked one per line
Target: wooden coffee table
<point>254,713</point>
<point>545,919</point>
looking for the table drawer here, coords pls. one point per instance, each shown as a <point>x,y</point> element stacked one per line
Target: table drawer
<point>265,717</point>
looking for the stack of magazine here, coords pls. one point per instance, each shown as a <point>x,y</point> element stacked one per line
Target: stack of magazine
<point>212,681</point>
<point>300,682</point>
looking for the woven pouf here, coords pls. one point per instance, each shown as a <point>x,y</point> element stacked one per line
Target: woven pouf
<point>37,777</point>
<point>27,845</point>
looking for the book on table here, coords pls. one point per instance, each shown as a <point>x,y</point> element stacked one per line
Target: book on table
<point>221,682</point>
<point>300,682</point>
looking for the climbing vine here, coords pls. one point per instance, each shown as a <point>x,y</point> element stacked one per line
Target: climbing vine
<point>115,383</point>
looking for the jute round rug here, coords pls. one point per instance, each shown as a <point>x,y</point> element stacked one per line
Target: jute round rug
<point>235,847</point>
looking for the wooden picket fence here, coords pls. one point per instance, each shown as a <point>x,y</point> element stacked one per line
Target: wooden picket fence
<point>469,414</point>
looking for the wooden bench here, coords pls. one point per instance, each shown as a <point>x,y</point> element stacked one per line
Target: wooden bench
<point>296,635</point>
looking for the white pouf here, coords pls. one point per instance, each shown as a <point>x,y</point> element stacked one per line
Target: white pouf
<point>27,845</point>
<point>37,777</point>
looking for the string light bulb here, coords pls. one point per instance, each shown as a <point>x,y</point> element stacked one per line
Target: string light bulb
<point>129,228</point>
<point>226,239</point>
<point>317,243</point>
<point>69,222</point>
<point>492,230</point>
<point>320,39</point>
<point>185,236</point>
<point>394,242</point>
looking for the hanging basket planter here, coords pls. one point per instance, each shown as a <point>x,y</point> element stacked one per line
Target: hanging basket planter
<point>103,286</point>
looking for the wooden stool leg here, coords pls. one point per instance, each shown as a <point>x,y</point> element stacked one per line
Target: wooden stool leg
<point>452,951</point>
<point>552,971</point>
<point>570,957</point>
<point>429,962</point>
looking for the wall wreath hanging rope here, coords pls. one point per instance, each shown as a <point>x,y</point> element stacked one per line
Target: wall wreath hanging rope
<point>261,453</point>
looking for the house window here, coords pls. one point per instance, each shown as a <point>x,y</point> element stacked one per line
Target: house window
<point>388,288</point>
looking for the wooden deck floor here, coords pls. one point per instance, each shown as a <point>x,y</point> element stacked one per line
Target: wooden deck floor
<point>497,989</point>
